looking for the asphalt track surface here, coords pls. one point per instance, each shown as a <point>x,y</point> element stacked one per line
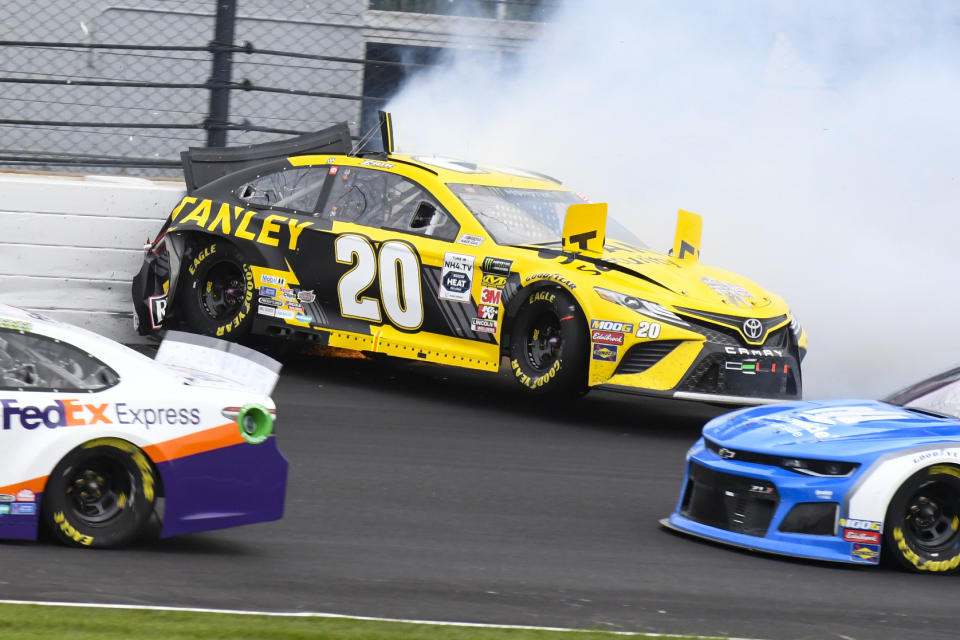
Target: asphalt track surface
<point>420,492</point>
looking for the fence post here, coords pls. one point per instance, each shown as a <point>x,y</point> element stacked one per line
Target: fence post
<point>220,76</point>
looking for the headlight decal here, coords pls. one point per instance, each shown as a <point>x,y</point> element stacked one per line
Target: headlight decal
<point>645,307</point>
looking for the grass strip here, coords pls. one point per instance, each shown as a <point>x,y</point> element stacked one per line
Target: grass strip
<point>36,622</point>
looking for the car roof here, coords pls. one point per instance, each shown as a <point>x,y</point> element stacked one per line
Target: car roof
<point>447,170</point>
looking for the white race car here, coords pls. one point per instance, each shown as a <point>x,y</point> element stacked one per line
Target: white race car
<point>98,438</point>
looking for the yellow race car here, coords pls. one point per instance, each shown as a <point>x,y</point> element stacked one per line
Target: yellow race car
<point>446,261</point>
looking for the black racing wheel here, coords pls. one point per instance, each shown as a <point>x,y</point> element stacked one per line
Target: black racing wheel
<point>100,495</point>
<point>548,344</point>
<point>923,521</point>
<point>218,291</point>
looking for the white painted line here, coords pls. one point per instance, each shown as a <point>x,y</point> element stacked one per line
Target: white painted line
<point>314,614</point>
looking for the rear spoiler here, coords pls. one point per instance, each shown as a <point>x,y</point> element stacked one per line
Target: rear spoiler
<point>194,355</point>
<point>203,165</point>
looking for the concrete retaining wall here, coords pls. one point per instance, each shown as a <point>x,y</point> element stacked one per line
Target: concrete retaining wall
<point>70,244</point>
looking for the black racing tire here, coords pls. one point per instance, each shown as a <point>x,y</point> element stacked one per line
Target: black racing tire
<point>100,495</point>
<point>548,344</point>
<point>217,292</point>
<point>922,527</point>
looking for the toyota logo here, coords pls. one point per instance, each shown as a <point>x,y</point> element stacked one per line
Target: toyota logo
<point>752,328</point>
<point>726,453</point>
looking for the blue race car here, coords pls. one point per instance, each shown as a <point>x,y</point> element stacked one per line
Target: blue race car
<point>839,480</point>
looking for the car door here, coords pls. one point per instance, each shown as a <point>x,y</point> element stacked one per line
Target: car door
<point>400,279</point>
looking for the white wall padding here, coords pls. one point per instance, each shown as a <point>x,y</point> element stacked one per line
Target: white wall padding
<point>70,244</point>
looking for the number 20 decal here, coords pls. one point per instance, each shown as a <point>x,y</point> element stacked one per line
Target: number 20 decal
<point>648,329</point>
<point>398,269</point>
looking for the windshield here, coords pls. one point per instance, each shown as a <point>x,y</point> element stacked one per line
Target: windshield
<point>526,216</point>
<point>940,394</point>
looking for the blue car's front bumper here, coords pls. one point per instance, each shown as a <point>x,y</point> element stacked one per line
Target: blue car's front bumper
<point>747,505</point>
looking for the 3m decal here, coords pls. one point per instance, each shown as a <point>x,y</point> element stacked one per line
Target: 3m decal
<point>609,325</point>
<point>231,220</point>
<point>398,268</point>
<point>490,296</point>
<point>648,330</point>
<point>267,311</point>
<point>607,337</point>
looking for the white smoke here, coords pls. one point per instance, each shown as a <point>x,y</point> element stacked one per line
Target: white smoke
<point>819,140</point>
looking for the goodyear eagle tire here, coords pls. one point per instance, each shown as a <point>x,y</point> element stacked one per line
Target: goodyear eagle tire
<point>100,495</point>
<point>218,291</point>
<point>548,344</point>
<point>922,528</point>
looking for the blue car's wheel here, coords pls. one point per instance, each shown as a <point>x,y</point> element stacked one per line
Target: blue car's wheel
<point>923,521</point>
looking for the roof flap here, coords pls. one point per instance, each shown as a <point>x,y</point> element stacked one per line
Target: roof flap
<point>202,165</point>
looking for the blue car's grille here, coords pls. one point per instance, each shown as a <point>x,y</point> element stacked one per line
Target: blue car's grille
<point>738,504</point>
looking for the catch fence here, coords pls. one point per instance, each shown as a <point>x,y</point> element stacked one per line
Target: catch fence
<point>126,86</point>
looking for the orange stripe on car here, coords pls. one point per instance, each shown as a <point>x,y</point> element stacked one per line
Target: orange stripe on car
<point>36,485</point>
<point>216,438</point>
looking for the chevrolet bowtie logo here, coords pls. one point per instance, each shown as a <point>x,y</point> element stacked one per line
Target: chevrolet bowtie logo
<point>726,453</point>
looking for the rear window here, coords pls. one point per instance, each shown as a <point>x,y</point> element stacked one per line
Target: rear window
<point>30,362</point>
